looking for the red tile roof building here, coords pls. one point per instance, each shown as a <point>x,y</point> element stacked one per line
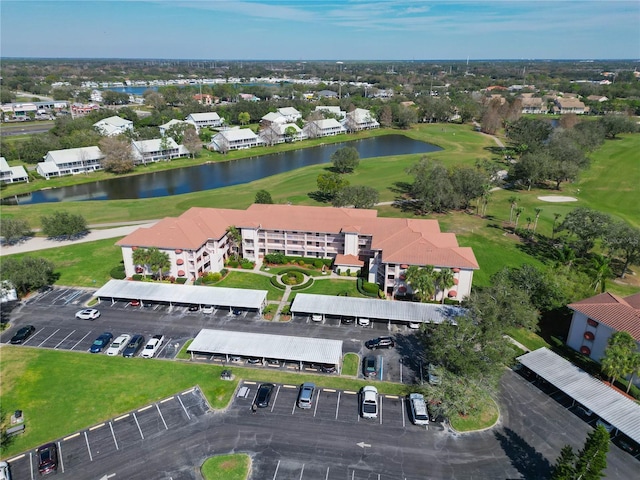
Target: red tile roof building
<point>595,319</point>
<point>197,241</point>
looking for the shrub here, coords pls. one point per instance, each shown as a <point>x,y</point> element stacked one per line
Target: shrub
<point>233,263</point>
<point>368,289</point>
<point>247,265</point>
<point>274,281</point>
<point>318,263</point>
<point>276,258</point>
<point>224,272</point>
<point>118,273</point>
<point>181,280</point>
<point>304,285</point>
<point>211,277</point>
<point>137,277</point>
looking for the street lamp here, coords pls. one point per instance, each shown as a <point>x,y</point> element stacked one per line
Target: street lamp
<point>340,81</point>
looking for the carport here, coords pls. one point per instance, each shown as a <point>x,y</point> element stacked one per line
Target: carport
<point>173,294</point>
<point>608,404</point>
<point>396,311</point>
<point>260,345</point>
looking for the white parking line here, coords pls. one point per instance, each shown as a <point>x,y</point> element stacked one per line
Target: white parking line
<point>31,465</point>
<point>402,411</point>
<point>276,398</point>
<point>338,405</point>
<point>330,390</point>
<point>15,459</point>
<point>60,343</point>
<point>188,391</point>
<point>86,439</point>
<point>71,436</point>
<point>168,342</point>
<point>60,455</point>
<point>289,386</point>
<point>275,474</point>
<point>139,429</point>
<point>302,471</point>
<point>167,399</point>
<point>144,408</point>
<point>185,410</point>
<point>162,417</point>
<point>380,410</point>
<point>249,383</point>
<point>96,427</point>
<point>326,477</point>
<point>113,434</point>
<point>293,409</point>
<point>81,340</point>
<point>315,409</point>
<point>41,343</point>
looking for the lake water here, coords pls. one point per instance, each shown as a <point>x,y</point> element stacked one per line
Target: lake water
<point>217,175</point>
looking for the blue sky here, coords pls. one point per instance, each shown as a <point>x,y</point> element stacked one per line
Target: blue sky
<point>321,29</point>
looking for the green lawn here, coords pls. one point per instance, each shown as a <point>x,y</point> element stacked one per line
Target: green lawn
<point>227,467</point>
<point>252,281</point>
<point>330,287</point>
<point>350,364</point>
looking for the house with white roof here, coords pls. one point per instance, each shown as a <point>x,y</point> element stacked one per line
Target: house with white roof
<point>323,128</point>
<point>281,133</point>
<point>156,150</point>
<point>197,242</point>
<point>12,174</point>
<point>281,116</point>
<point>165,127</point>
<point>331,110</point>
<point>564,105</point>
<point>360,119</point>
<point>112,126</point>
<point>71,161</point>
<point>235,139</point>
<point>206,119</point>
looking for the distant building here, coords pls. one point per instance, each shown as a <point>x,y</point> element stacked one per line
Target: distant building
<point>164,128</point>
<point>565,105</point>
<point>332,110</point>
<point>203,99</point>
<point>360,119</point>
<point>112,126</point>
<point>281,116</point>
<point>206,119</point>
<point>71,161</point>
<point>80,110</point>
<point>235,139</point>
<point>12,174</point>
<point>533,105</point>
<point>323,128</point>
<point>156,150</point>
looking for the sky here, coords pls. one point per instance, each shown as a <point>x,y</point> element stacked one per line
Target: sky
<point>307,30</point>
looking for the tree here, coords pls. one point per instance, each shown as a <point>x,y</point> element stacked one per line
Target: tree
<point>109,97</point>
<point>444,280</point>
<point>529,134</point>
<point>615,124</point>
<point>28,273</point>
<point>564,468</point>
<point>142,257</point>
<point>244,118</point>
<point>330,183</point>
<point>586,226</point>
<point>519,211</point>
<point>5,439</point>
<point>360,196</point>
<point>386,116</point>
<point>592,459</point>
<point>538,211</point>
<point>290,134</point>
<point>118,157</point>
<point>556,217</point>
<point>622,239</point>
<point>531,169</point>
<point>600,270</point>
<point>191,141</point>
<point>421,281</point>
<point>468,184</point>
<point>513,202</point>
<point>154,99</point>
<point>432,189</point>
<point>176,131</point>
<point>634,367</point>
<point>262,196</point>
<point>159,261</point>
<point>14,229</point>
<point>234,238</point>
<point>345,159</point>
<point>63,224</point>
<point>618,356</point>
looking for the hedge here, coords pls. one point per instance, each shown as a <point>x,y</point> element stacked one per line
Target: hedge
<point>181,280</point>
<point>367,288</point>
<point>304,285</point>
<point>118,273</point>
<point>274,281</point>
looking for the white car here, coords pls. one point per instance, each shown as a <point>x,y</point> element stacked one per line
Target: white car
<point>414,325</point>
<point>207,309</point>
<point>88,314</point>
<point>5,474</point>
<point>118,345</point>
<point>152,346</point>
<point>608,427</point>
<point>364,322</point>
<point>369,402</point>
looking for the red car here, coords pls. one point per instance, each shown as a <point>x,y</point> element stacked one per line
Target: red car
<point>47,456</point>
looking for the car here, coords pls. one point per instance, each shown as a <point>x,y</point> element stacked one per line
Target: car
<point>316,317</point>
<point>370,366</point>
<point>44,289</point>
<point>273,362</point>
<point>584,411</point>
<point>5,473</point>
<point>305,395</point>
<point>101,342</point>
<point>22,334</point>
<point>88,314</point>
<point>369,402</point>
<point>134,303</point>
<point>434,379</point>
<point>625,443</point>
<point>118,345</point>
<point>47,456</point>
<point>236,311</point>
<point>254,361</point>
<point>364,322</point>
<point>328,368</point>
<point>414,325</point>
<point>418,408</point>
<point>194,308</point>
<point>264,395</point>
<point>608,427</point>
<point>207,309</point>
<point>152,346</point>
<point>134,346</point>
<point>348,320</point>
<point>380,342</point>
<point>226,375</point>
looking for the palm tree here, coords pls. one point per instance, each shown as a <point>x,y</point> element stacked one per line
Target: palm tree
<point>421,281</point>
<point>529,220</point>
<point>141,256</point>
<point>159,261</point>
<point>535,224</point>
<point>634,366</point>
<point>519,211</point>
<point>556,216</point>
<point>514,203</point>
<point>444,278</point>
<point>234,238</point>
<point>600,270</point>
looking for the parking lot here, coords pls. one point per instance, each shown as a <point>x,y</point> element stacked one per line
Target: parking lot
<point>292,470</point>
<point>127,431</point>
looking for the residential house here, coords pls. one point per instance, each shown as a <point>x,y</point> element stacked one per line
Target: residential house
<point>360,119</point>
<point>326,94</point>
<point>533,104</point>
<point>12,174</point>
<point>248,97</point>
<point>596,318</point>
<point>323,128</point>
<point>281,116</point>
<point>206,119</point>
<point>281,132</point>
<point>234,139</point>
<point>203,99</point>
<point>71,161</point>
<point>597,98</point>
<point>197,242</point>
<point>565,105</point>
<point>156,150</point>
<point>113,126</point>
<point>165,127</point>
<point>332,111</point>
<point>80,110</point>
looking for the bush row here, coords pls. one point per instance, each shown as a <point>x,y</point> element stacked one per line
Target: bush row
<point>282,259</point>
<point>304,285</point>
<point>274,281</point>
<point>367,288</point>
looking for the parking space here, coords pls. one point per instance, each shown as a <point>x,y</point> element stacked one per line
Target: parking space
<point>61,297</point>
<point>293,470</point>
<point>125,431</point>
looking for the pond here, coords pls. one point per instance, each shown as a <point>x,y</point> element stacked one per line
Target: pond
<point>222,174</point>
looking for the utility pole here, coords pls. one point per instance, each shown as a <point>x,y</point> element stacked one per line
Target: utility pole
<point>340,81</point>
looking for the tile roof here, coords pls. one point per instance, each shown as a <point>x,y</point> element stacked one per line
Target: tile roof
<point>621,314</point>
<point>410,241</point>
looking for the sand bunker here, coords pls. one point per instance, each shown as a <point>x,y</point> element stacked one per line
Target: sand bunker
<point>557,199</point>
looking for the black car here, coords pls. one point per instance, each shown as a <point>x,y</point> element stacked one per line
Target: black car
<point>134,346</point>
<point>22,334</point>
<point>380,342</point>
<point>47,456</point>
<point>370,366</point>
<point>264,395</point>
<point>348,320</point>
<point>194,308</point>
<point>328,368</point>
<point>101,342</point>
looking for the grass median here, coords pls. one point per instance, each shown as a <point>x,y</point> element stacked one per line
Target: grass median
<point>226,467</point>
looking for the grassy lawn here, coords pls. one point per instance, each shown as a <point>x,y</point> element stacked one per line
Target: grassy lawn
<point>226,467</point>
<point>529,339</point>
<point>487,417</point>
<point>350,364</point>
<point>330,287</point>
<point>253,281</point>
<point>307,271</point>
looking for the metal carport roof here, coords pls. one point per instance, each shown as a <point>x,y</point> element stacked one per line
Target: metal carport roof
<point>189,294</point>
<point>281,347</point>
<point>604,401</point>
<point>374,308</point>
